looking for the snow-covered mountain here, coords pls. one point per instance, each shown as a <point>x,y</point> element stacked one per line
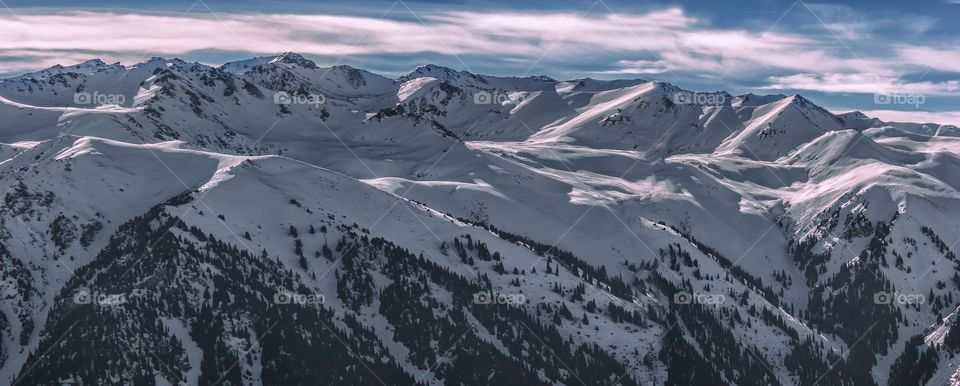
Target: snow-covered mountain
<point>272,221</point>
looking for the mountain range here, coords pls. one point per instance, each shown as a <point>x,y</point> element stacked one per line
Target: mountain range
<point>272,221</point>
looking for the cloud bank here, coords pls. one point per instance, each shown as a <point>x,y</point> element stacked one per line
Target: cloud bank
<point>668,43</point>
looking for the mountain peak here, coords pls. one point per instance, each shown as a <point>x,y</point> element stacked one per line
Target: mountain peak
<point>433,67</point>
<point>754,100</point>
<point>344,67</point>
<point>805,104</point>
<point>854,115</point>
<point>86,67</point>
<point>96,62</point>
<point>593,85</point>
<point>294,59</point>
<point>858,120</point>
<point>799,98</point>
<point>160,59</point>
<point>435,71</point>
<point>543,78</point>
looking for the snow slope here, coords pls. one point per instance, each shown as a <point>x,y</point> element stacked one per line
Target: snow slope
<point>602,201</point>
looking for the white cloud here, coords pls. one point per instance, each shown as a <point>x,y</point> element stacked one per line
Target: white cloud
<point>950,118</point>
<point>945,58</point>
<point>669,40</point>
<point>113,34</point>
<point>861,83</point>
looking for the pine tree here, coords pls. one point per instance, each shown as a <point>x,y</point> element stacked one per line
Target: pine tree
<point>327,252</point>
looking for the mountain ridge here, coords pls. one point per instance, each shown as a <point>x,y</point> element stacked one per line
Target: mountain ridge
<point>458,228</point>
<point>295,58</point>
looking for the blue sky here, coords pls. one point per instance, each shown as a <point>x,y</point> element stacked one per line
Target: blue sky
<point>840,54</point>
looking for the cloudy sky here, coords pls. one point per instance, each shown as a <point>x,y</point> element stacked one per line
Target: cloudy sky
<point>839,54</point>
